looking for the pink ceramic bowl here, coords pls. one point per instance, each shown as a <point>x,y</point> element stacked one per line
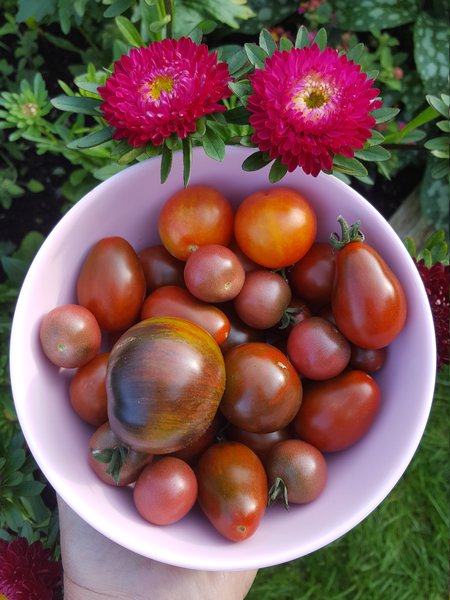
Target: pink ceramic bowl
<point>128,205</point>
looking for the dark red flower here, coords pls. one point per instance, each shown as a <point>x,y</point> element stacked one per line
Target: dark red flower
<point>436,280</point>
<point>163,89</point>
<point>27,571</point>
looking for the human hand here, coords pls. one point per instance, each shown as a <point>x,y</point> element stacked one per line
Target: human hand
<point>96,568</point>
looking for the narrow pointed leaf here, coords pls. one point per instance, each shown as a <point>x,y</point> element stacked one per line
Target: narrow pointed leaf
<point>385,114</point>
<point>302,37</point>
<point>213,144</point>
<point>166,163</point>
<point>77,104</point>
<point>256,161</point>
<point>267,42</point>
<point>373,153</point>
<point>93,139</point>
<point>277,171</point>
<point>187,160</point>
<point>129,31</point>
<point>321,38</point>
<point>256,55</point>
<point>286,44</point>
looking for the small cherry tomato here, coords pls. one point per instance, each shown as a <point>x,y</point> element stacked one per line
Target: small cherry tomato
<point>263,299</point>
<point>173,301</point>
<point>195,216</point>
<point>297,471</point>
<point>317,349</point>
<point>70,336</point>
<point>232,489</point>
<point>165,491</point>
<point>312,277</point>
<point>160,268</point>
<point>275,227</point>
<point>214,273</point>
<point>263,391</point>
<point>87,391</point>
<point>367,360</point>
<point>111,284</point>
<point>336,413</point>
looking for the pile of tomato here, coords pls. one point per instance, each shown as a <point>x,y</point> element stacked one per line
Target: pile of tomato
<point>221,366</point>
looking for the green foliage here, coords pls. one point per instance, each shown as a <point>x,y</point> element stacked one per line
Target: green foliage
<point>366,15</point>
<point>431,52</point>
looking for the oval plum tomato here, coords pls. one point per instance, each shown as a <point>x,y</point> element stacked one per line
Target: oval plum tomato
<point>275,227</point>
<point>111,284</point>
<point>240,332</point>
<point>111,461</point>
<point>336,413</point>
<point>87,390</point>
<point>367,360</point>
<point>317,349</point>
<point>313,276</point>
<point>263,391</point>
<point>232,489</point>
<point>263,299</point>
<point>165,491</point>
<point>301,468</point>
<point>173,301</point>
<point>195,216</point>
<point>160,268</point>
<point>260,443</point>
<point>368,301</point>
<point>214,273</point>
<point>70,336</point>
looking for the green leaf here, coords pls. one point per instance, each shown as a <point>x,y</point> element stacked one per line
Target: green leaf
<point>239,115</point>
<point>237,61</point>
<point>213,144</point>
<point>431,52</point>
<point>376,138</point>
<point>130,155</point>
<point>241,88</point>
<point>187,160</point>
<point>384,114</point>
<point>230,12</point>
<point>439,143</point>
<point>196,35</point>
<point>350,166</point>
<point>267,42</point>
<point>35,186</point>
<point>88,86</point>
<point>356,53</point>
<point>444,126</point>
<point>166,163</point>
<point>438,104</point>
<point>256,55</point>
<point>285,44</point>
<point>277,171</point>
<point>77,104</point>
<point>95,138</point>
<point>366,15</point>
<point>103,456</point>
<point>29,488</point>
<point>129,32</point>
<point>302,37</point>
<point>321,38</point>
<point>410,246</point>
<point>117,8</point>
<point>434,195</point>
<point>159,25</point>
<point>256,161</point>
<point>373,153</point>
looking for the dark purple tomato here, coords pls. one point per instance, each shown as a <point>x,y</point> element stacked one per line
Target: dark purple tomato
<point>232,489</point>
<point>263,391</point>
<point>367,360</point>
<point>160,268</point>
<point>165,491</point>
<point>326,313</point>
<point>111,461</point>
<point>312,277</point>
<point>263,299</point>
<point>87,391</point>
<point>301,468</point>
<point>70,336</point>
<point>213,273</point>
<point>260,443</point>
<point>317,349</point>
<point>336,413</point>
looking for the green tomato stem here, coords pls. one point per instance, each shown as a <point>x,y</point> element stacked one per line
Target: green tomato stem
<point>349,234</point>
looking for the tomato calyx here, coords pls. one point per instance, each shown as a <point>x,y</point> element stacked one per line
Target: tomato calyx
<point>278,490</point>
<point>288,317</point>
<point>349,233</point>
<point>114,457</point>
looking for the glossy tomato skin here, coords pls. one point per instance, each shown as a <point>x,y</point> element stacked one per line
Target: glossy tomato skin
<point>160,268</point>
<point>336,413</point>
<point>317,349</point>
<point>70,336</point>
<point>87,390</point>
<point>111,284</point>
<point>368,301</point>
<point>275,227</point>
<point>164,382</point>
<point>192,452</point>
<point>313,276</point>
<point>263,391</point>
<point>174,301</point>
<point>367,360</point>
<point>232,489</point>
<point>260,443</point>
<point>193,217</point>
<point>240,332</point>
<point>165,491</point>
<point>213,273</point>
<point>301,466</point>
<point>104,438</point>
<point>263,299</point>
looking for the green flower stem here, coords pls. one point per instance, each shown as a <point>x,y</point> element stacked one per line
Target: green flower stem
<point>169,7</point>
<point>427,115</point>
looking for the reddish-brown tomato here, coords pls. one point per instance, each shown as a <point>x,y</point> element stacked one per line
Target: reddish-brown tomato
<point>87,391</point>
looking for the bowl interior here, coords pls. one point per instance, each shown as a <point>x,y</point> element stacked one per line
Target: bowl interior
<point>128,205</point>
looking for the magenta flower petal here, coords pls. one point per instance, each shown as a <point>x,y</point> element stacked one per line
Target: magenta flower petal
<point>309,105</point>
<point>163,89</point>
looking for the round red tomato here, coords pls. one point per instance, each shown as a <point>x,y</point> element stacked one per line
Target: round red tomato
<point>367,360</point>
<point>275,227</point>
<point>111,284</point>
<point>70,336</point>
<point>195,216</point>
<point>336,413</point>
<point>165,491</point>
<point>160,268</point>
<point>313,276</point>
<point>263,391</point>
<point>260,443</point>
<point>87,390</point>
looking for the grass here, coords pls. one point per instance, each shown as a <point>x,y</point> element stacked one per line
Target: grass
<point>400,552</point>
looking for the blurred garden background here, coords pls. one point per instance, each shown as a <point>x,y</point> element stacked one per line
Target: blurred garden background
<point>53,149</point>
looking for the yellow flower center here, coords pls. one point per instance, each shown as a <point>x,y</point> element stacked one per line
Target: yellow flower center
<point>313,97</point>
<point>158,85</point>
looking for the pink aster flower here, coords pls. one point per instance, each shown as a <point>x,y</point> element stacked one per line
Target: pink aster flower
<point>27,572</point>
<point>309,105</point>
<point>163,89</point>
